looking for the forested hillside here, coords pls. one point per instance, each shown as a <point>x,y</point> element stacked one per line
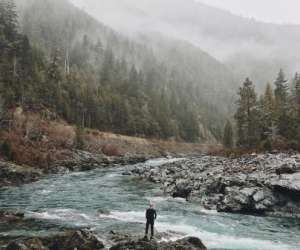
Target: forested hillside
<point>250,48</point>
<point>268,121</point>
<point>94,77</point>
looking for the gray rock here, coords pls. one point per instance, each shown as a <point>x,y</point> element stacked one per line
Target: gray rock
<point>286,169</point>
<point>14,175</point>
<point>70,240</point>
<point>259,183</point>
<point>190,243</point>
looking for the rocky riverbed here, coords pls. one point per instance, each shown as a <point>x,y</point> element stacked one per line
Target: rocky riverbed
<point>261,184</point>
<point>86,239</point>
<point>109,206</point>
<point>81,239</point>
<point>15,175</point>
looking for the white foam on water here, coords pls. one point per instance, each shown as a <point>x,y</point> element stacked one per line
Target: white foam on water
<point>43,215</point>
<point>45,191</point>
<point>60,214</point>
<point>131,216</point>
<point>232,242</point>
<point>211,240</point>
<point>157,199</point>
<point>214,240</point>
<point>208,212</point>
<point>161,161</point>
<point>181,200</point>
<point>160,199</point>
<point>112,175</point>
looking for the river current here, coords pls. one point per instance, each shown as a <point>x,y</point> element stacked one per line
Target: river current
<point>105,200</point>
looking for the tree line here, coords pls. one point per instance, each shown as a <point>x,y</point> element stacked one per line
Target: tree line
<point>89,86</point>
<point>271,120</point>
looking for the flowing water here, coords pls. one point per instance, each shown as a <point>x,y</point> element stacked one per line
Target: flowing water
<point>105,200</point>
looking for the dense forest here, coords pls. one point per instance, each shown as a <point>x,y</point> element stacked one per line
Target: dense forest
<point>270,121</point>
<point>66,61</point>
<point>55,56</point>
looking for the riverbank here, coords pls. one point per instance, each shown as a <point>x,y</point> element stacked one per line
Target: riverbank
<point>33,144</point>
<point>15,175</point>
<point>86,239</point>
<point>111,204</point>
<point>258,184</point>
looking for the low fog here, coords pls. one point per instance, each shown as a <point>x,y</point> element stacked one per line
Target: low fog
<point>248,47</point>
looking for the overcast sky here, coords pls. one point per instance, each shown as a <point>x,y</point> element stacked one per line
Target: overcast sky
<point>275,11</point>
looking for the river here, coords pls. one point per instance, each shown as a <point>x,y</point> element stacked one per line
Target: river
<point>104,200</point>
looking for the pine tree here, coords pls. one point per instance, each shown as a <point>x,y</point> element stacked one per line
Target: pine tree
<point>107,71</point>
<point>297,88</point>
<point>9,50</point>
<point>294,111</point>
<point>9,20</point>
<point>282,103</point>
<point>228,135</point>
<point>247,116</point>
<point>267,113</point>
<point>53,85</point>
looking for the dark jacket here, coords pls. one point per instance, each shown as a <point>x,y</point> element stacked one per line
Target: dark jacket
<point>151,214</point>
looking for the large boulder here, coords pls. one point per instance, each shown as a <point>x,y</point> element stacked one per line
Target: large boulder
<point>30,244</point>
<point>254,184</point>
<point>286,169</point>
<point>182,192</point>
<point>287,192</point>
<point>189,243</point>
<point>182,189</point>
<point>288,182</point>
<point>80,240</point>
<point>136,245</point>
<point>13,175</point>
<point>11,216</point>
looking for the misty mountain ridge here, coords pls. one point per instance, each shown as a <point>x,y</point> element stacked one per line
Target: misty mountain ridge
<point>150,72</point>
<point>151,77</point>
<point>244,45</point>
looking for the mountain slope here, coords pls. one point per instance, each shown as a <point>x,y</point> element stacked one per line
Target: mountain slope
<point>154,86</point>
<point>248,47</point>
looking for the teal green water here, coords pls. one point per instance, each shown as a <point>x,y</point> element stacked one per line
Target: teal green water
<point>79,200</point>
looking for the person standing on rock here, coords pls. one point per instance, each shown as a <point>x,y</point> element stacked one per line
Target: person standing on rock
<point>150,218</point>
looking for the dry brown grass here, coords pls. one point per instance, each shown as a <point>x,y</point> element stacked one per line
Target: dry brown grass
<point>36,141</point>
<point>39,140</point>
<point>96,141</point>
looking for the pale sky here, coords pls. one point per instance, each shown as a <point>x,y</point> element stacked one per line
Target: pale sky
<point>275,11</point>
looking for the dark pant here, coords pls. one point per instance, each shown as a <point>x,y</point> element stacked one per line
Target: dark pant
<point>151,223</point>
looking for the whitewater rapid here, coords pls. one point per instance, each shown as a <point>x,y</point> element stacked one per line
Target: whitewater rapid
<point>105,200</point>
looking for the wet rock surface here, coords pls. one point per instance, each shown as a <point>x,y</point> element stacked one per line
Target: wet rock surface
<point>256,184</point>
<point>85,239</point>
<point>84,161</point>
<point>189,243</point>
<point>14,175</point>
<point>10,216</point>
<point>70,240</point>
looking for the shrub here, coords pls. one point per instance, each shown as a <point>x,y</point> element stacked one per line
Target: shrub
<point>111,150</point>
<point>294,145</point>
<point>79,141</point>
<point>266,145</point>
<point>61,134</point>
<point>6,150</point>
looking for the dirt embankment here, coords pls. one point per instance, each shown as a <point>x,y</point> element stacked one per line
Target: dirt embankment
<point>47,143</point>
